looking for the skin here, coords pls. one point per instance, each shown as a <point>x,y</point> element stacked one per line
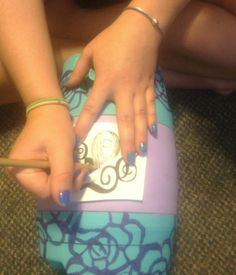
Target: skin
<point>30,62</point>
<point>131,89</point>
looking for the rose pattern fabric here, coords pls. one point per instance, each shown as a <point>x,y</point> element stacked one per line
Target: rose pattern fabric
<point>106,242</point>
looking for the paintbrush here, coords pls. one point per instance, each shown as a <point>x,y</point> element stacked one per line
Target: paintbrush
<point>42,164</point>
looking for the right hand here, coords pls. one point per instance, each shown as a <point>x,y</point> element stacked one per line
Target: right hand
<point>47,135</point>
<point>124,62</point>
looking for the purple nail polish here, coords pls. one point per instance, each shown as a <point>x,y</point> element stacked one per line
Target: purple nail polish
<point>131,156</point>
<point>154,130</point>
<point>64,197</point>
<point>143,147</point>
<point>76,173</point>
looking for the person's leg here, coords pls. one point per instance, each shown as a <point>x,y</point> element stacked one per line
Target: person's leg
<point>70,29</point>
<point>8,92</point>
<point>63,48</point>
<point>202,54</point>
<point>201,42</point>
<point>68,21</point>
<point>229,5</point>
<point>175,79</point>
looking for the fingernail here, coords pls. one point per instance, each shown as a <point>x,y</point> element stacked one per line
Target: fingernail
<point>64,197</point>
<point>76,173</point>
<point>77,141</point>
<point>143,147</point>
<point>87,179</point>
<point>153,130</point>
<point>131,156</point>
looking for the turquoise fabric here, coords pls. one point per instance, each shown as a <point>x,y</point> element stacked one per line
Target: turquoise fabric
<point>107,242</point>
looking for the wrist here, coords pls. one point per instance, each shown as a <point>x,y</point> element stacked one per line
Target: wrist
<point>153,20</point>
<point>49,113</point>
<point>164,11</point>
<point>39,103</point>
<point>139,28</point>
<point>28,98</point>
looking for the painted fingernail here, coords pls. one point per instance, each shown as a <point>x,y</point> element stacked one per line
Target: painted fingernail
<point>77,141</point>
<point>131,156</point>
<point>76,173</point>
<point>143,147</point>
<point>64,197</point>
<point>87,179</point>
<point>153,130</point>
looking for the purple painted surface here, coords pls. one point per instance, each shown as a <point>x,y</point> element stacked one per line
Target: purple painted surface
<point>160,191</point>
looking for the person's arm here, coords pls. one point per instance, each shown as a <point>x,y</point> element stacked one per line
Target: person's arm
<point>124,57</point>
<point>25,49</point>
<point>26,52</point>
<point>164,10</point>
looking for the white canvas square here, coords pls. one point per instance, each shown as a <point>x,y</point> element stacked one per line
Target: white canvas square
<point>114,179</point>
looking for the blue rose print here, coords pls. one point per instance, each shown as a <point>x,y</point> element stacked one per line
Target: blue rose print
<point>160,89</point>
<point>105,242</point>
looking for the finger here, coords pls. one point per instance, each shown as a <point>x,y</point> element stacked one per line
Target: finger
<point>91,110</point>
<point>140,113</point>
<point>33,180</point>
<point>62,168</point>
<point>81,69</point>
<point>125,120</point>
<point>79,178</point>
<point>151,110</point>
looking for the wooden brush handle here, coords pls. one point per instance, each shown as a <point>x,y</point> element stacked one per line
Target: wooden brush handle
<point>42,164</point>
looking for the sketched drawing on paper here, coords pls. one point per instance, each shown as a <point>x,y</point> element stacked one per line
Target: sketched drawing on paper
<point>114,179</point>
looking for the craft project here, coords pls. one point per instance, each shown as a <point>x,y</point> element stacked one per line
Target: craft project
<point>123,220</point>
<point>114,179</point>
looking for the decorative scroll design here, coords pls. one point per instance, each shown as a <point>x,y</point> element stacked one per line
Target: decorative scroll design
<point>111,175</point>
<point>119,243</point>
<point>81,152</point>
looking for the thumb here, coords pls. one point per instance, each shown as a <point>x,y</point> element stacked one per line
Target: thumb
<point>81,69</point>
<point>62,169</point>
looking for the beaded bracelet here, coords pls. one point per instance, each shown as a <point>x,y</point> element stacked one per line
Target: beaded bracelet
<point>46,101</point>
<point>154,21</point>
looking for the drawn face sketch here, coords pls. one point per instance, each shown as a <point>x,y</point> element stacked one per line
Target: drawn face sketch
<point>114,179</point>
<point>105,147</point>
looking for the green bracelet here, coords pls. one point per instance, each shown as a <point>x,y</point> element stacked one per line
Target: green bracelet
<point>46,101</point>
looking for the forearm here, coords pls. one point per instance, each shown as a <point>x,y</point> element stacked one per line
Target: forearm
<point>25,49</point>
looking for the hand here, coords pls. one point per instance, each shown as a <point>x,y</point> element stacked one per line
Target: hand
<point>47,135</point>
<point>124,57</point>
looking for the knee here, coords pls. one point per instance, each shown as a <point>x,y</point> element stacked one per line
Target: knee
<point>229,5</point>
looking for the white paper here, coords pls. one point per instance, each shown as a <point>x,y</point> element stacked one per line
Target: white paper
<point>114,179</point>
